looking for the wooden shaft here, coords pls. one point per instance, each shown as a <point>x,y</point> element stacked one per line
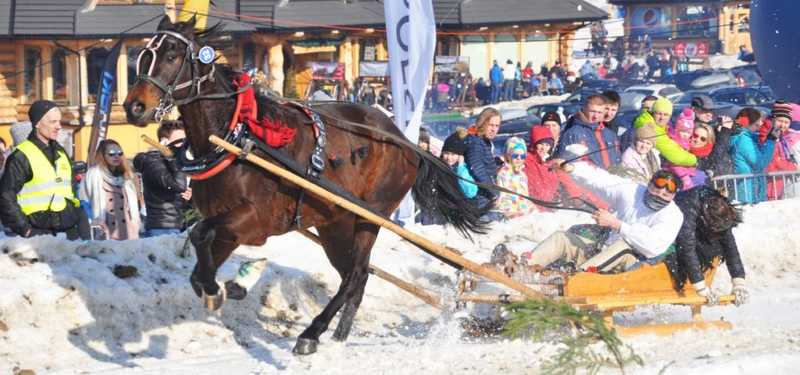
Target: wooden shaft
<point>404,285</point>
<point>425,244</point>
<point>164,150</point>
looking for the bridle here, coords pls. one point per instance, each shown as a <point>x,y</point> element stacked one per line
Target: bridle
<point>168,99</point>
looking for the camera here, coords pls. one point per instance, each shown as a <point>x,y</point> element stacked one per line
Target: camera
<point>79,167</point>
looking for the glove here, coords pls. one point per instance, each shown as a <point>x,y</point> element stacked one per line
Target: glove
<point>739,291</point>
<point>712,298</point>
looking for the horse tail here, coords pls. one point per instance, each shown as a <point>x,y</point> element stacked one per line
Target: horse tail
<point>436,191</point>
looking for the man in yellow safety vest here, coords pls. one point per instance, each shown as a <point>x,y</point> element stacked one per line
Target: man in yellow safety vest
<point>36,194</point>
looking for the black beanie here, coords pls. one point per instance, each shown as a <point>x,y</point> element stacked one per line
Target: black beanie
<point>38,109</point>
<point>455,144</point>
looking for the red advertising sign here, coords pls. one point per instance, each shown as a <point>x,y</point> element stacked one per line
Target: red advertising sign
<point>690,49</point>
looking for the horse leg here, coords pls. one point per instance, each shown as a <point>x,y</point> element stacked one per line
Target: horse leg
<point>215,239</point>
<point>337,240</point>
<point>365,235</point>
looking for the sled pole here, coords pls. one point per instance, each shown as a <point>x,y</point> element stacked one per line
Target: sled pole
<point>426,245</point>
<point>164,150</point>
<point>404,285</point>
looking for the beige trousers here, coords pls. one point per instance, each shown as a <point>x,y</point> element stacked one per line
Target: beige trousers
<point>616,257</point>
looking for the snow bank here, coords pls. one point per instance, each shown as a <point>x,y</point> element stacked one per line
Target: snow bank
<point>65,311</point>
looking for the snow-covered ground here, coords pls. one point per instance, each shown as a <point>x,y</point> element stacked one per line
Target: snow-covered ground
<point>67,312</point>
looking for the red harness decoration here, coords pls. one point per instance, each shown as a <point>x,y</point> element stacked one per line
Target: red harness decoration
<point>274,133</point>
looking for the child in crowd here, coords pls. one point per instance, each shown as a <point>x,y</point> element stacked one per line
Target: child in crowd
<point>512,177</point>
<point>683,134</point>
<point>453,155</point>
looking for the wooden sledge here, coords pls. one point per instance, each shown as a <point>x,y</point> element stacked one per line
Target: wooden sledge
<point>612,293</point>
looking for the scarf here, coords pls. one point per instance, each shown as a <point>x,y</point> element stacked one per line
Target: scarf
<point>92,191</point>
<point>702,152</point>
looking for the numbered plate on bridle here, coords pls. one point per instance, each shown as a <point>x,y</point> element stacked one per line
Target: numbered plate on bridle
<point>206,55</point>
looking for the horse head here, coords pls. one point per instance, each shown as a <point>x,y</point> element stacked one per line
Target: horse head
<point>169,71</point>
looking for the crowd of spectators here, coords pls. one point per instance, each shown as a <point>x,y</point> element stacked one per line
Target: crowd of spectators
<point>43,191</point>
<point>696,146</point>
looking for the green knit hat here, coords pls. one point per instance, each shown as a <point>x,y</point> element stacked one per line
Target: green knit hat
<point>662,105</point>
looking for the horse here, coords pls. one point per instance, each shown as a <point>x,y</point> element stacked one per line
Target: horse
<point>244,205</point>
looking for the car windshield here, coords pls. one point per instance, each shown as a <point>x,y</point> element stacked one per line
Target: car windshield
<point>641,91</point>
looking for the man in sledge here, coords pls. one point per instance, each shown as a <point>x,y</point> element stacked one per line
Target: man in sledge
<point>706,235</point>
<point>644,224</point>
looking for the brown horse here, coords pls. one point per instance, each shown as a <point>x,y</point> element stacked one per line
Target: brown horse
<point>244,205</point>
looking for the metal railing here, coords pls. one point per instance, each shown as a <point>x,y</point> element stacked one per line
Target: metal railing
<point>759,187</point>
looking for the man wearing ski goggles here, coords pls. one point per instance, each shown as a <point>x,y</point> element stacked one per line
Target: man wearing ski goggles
<point>640,225</point>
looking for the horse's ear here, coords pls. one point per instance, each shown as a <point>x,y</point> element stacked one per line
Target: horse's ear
<point>165,23</point>
<point>191,22</point>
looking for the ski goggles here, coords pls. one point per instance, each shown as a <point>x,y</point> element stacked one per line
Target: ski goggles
<point>666,182</point>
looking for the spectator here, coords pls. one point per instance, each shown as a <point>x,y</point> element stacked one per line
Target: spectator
<point>483,92</point>
<point>4,152</point>
<point>517,81</point>
<point>669,150</point>
<point>512,177</point>
<point>166,189</point>
<point>527,77</point>
<point>110,188</point>
<point>36,196</point>
<point>555,85</point>
<point>644,226</point>
<point>587,70</point>
<point>453,155</point>
<point>697,141</point>
<point>424,140</point>
<point>587,129</point>
<point>706,235</point>
<point>496,79</point>
<point>542,180</point>
<point>647,102</point>
<point>509,73</point>
<point>719,162</point>
<point>751,157</point>
<point>535,85</point>
<point>745,55</point>
<point>552,121</point>
<point>641,157</point>
<point>479,155</point>
<point>785,157</point>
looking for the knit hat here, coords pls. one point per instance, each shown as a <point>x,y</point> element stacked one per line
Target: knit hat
<point>552,116</point>
<point>20,132</point>
<point>782,109</point>
<point>541,134</point>
<point>648,132</point>
<point>455,143</point>
<point>704,102</point>
<point>38,109</point>
<point>662,105</point>
<point>515,144</point>
<point>685,121</point>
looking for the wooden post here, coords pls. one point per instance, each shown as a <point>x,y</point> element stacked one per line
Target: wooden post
<point>425,244</point>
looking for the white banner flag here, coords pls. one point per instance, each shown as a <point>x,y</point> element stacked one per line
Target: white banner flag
<point>411,33</point>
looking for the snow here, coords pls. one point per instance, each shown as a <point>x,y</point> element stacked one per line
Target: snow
<point>68,313</point>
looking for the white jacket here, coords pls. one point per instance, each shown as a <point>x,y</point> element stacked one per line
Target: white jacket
<point>649,232</point>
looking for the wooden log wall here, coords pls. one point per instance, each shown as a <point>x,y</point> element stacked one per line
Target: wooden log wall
<point>8,81</point>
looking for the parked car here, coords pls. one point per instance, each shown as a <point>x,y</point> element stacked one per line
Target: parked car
<point>684,80</point>
<point>668,91</point>
<point>742,96</point>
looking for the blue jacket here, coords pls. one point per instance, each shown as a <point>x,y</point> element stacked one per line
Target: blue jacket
<point>750,157</point>
<point>480,163</point>
<point>582,133</point>
<point>470,190</point>
<point>496,74</point>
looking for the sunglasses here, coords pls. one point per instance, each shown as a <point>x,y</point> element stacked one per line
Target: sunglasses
<point>518,156</point>
<point>662,182</point>
<point>114,153</point>
<point>700,137</point>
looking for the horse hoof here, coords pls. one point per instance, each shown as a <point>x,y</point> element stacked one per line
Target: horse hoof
<point>196,286</point>
<point>214,302</point>
<point>305,346</point>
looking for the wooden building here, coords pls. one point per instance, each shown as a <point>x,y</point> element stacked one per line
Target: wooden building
<point>55,49</point>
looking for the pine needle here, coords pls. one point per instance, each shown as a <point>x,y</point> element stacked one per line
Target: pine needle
<point>575,330</point>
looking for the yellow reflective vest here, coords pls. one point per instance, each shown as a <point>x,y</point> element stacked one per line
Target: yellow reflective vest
<point>50,188</point>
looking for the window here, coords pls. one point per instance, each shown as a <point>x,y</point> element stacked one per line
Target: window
<point>58,67</point>
<point>369,50</point>
<point>95,60</point>
<point>32,74</point>
<point>248,56</point>
<point>697,21</point>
